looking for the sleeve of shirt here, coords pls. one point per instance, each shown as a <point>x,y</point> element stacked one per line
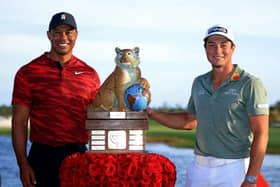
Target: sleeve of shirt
<point>257,101</point>
<point>21,92</point>
<point>191,107</point>
<point>95,86</point>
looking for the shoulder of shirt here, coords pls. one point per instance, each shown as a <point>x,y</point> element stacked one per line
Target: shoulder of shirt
<point>84,64</point>
<point>203,76</point>
<point>248,76</point>
<point>37,61</point>
<point>249,79</point>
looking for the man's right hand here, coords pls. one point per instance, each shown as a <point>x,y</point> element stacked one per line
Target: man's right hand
<point>27,175</point>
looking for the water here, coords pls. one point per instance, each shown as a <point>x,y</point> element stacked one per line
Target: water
<point>9,175</point>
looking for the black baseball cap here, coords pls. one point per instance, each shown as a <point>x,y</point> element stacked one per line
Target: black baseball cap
<point>62,18</point>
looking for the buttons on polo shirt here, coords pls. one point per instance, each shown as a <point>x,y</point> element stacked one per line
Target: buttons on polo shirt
<point>59,65</point>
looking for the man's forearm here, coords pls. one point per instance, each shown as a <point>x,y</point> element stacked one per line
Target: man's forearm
<point>20,131</point>
<point>258,150</point>
<point>19,139</point>
<point>180,120</point>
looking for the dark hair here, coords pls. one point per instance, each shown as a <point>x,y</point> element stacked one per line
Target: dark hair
<point>206,39</point>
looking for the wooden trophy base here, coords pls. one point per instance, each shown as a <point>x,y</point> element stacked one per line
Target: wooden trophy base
<point>117,132</point>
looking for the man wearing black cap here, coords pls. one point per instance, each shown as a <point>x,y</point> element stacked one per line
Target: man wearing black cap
<point>52,93</point>
<point>229,109</point>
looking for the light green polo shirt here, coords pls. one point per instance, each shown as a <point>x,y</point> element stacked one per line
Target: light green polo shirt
<point>223,128</point>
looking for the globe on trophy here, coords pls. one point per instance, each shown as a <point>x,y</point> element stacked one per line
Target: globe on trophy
<point>137,98</point>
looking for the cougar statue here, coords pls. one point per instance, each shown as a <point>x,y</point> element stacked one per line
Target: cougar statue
<point>110,96</point>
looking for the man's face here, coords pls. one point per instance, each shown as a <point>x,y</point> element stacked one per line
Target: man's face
<point>62,38</point>
<point>219,51</point>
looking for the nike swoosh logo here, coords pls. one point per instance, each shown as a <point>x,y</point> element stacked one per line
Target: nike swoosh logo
<point>78,72</point>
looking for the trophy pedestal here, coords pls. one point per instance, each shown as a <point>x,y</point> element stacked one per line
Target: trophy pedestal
<point>117,132</point>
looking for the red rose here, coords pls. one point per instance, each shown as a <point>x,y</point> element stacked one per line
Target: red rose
<point>124,169</point>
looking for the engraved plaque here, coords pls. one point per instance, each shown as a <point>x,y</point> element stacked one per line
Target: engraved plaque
<point>117,132</point>
<point>117,115</point>
<point>117,139</point>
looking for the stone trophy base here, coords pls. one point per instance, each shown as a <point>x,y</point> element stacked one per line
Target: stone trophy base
<point>117,132</point>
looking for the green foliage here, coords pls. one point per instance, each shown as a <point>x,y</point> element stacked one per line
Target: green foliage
<point>273,117</point>
<point>5,111</point>
<point>5,131</point>
<point>173,137</point>
<point>167,108</point>
<point>273,142</point>
<point>274,113</point>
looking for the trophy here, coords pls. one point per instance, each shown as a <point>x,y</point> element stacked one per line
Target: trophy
<point>115,118</point>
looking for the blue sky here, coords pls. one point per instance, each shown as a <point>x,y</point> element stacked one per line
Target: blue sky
<point>169,34</point>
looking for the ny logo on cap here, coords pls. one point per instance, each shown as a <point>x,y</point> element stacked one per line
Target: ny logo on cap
<point>63,17</point>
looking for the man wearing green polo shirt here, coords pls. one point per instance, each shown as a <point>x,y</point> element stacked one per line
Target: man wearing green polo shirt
<point>228,107</point>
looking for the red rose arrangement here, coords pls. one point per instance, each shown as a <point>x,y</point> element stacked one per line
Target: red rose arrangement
<point>117,169</point>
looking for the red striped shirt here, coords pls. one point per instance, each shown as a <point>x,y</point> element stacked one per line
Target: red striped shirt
<point>57,97</point>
